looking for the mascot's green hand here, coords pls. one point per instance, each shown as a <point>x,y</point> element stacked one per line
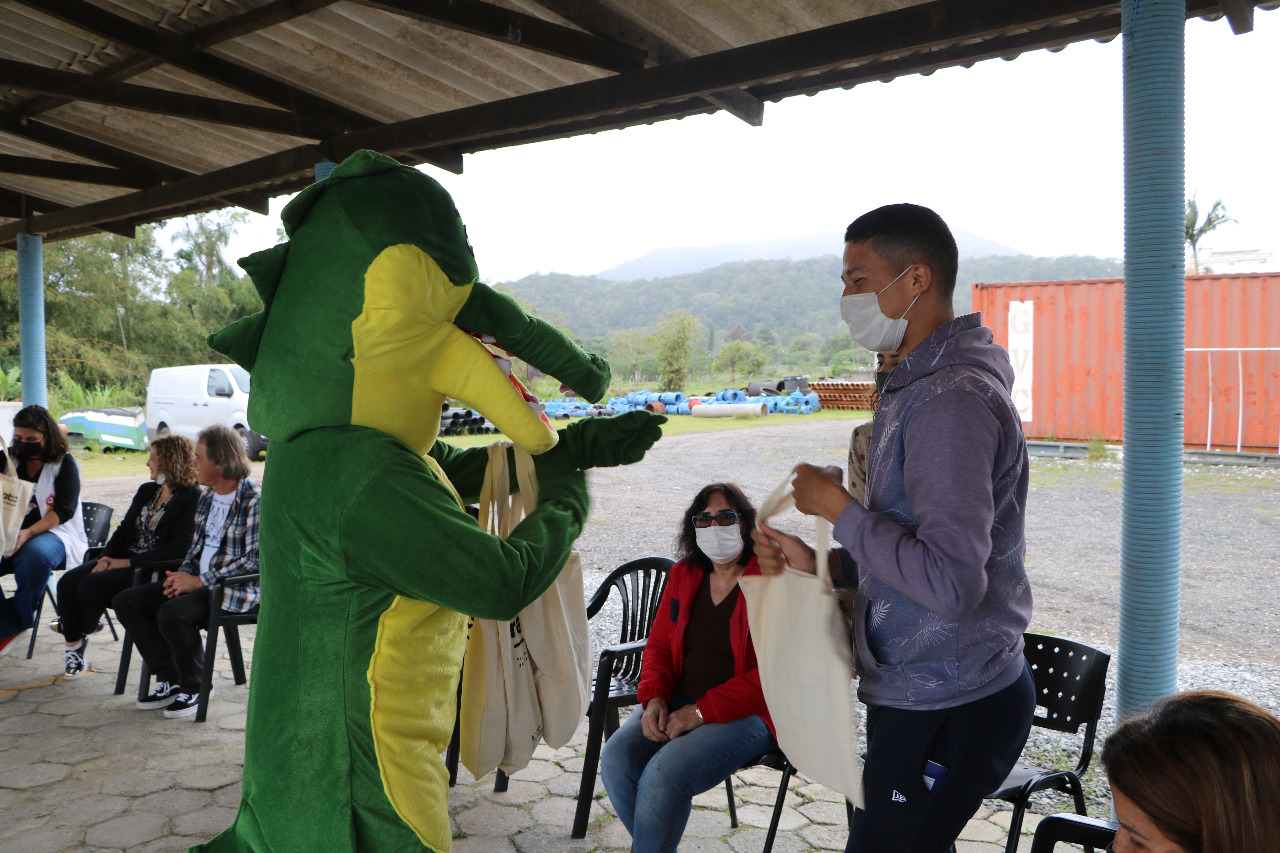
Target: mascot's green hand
<point>606,442</point>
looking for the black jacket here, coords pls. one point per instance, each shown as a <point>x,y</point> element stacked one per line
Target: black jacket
<point>174,531</point>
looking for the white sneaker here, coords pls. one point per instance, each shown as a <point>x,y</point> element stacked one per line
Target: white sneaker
<point>74,658</point>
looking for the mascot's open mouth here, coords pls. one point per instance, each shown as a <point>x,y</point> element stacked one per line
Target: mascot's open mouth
<point>491,344</point>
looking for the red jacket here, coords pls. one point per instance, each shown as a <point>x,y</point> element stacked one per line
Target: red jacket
<point>736,698</point>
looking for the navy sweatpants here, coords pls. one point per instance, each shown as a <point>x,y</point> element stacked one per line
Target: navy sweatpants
<point>978,743</point>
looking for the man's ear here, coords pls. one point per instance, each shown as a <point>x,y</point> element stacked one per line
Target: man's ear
<point>921,277</point>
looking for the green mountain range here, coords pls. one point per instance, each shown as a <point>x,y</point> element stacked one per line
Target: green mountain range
<point>790,298</point>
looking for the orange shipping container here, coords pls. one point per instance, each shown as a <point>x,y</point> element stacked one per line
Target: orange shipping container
<point>1066,340</point>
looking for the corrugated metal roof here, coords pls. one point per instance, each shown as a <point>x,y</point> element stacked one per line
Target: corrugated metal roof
<point>119,112</point>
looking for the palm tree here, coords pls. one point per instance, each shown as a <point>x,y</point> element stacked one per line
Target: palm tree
<point>1196,230</point>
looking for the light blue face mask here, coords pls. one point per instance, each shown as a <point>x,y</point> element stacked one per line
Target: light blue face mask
<point>868,325</point>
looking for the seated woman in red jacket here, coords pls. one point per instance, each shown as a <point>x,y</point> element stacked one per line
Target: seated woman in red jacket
<point>704,713</point>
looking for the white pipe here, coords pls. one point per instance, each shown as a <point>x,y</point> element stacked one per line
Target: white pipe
<point>730,410</point>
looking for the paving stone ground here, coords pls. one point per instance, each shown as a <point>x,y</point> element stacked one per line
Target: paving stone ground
<point>82,769</point>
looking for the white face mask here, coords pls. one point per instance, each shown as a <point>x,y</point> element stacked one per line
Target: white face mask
<point>721,544</point>
<point>868,325</point>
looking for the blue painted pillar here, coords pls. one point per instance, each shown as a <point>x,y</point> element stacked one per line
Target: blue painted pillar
<point>1154,334</point>
<point>35,389</point>
<point>323,168</point>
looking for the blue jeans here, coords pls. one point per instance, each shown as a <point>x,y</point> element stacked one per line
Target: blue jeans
<point>652,785</point>
<point>32,565</point>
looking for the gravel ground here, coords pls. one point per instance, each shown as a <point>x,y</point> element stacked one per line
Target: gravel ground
<point>1230,618</point>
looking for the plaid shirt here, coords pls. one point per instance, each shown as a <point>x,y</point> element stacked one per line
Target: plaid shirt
<point>237,552</point>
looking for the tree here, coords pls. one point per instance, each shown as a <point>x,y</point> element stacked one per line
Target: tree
<point>629,353</point>
<point>737,333</point>
<point>765,336</point>
<point>737,356</point>
<point>1196,230</point>
<point>676,334</point>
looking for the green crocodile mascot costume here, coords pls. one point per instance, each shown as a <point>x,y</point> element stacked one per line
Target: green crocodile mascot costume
<point>373,317</point>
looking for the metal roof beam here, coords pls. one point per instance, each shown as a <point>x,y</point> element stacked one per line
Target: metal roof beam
<point>892,36</point>
<point>171,49</point>
<point>16,205</point>
<point>34,167</point>
<point>251,22</point>
<point>916,28</point>
<point>1239,14</point>
<point>161,46</point>
<point>81,87</point>
<point>494,22</point>
<point>595,17</point>
<point>91,149</point>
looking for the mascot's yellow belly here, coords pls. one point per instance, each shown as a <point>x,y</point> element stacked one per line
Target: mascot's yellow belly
<point>413,680</point>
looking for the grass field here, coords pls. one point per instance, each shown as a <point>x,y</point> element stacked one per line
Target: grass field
<point>122,463</point>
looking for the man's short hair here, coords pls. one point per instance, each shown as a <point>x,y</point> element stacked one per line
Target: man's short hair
<point>904,234</point>
<point>224,448</point>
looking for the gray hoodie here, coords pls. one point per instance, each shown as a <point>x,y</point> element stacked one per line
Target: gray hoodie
<point>943,596</point>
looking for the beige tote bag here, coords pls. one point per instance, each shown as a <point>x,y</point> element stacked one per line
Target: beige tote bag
<point>555,631</point>
<point>15,496</point>
<point>500,723</point>
<point>805,660</point>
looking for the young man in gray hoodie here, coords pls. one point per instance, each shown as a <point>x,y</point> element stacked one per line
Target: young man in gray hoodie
<point>937,553</point>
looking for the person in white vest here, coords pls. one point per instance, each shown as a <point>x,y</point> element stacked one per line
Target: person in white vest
<point>53,530</point>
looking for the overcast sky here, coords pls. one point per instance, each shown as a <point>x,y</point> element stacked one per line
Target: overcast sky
<point>1028,153</point>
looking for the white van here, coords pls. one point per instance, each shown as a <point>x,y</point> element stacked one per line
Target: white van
<point>185,400</point>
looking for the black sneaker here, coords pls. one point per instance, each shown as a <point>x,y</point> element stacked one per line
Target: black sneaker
<point>75,659</point>
<point>183,705</point>
<point>56,626</point>
<point>160,697</point>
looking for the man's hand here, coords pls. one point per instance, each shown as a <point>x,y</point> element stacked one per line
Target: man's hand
<point>654,721</point>
<point>179,583</point>
<point>23,535</point>
<point>776,550</point>
<point>684,720</point>
<point>819,491</point>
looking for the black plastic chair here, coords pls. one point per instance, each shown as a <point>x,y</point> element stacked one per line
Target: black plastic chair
<point>97,526</point>
<point>775,760</point>
<point>1067,828</point>
<point>639,584</point>
<point>1071,683</point>
<point>218,618</point>
<point>229,622</point>
<point>140,576</point>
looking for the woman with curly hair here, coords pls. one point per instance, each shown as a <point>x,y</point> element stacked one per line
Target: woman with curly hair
<point>159,525</point>
<point>53,529</point>
<point>1198,773</point>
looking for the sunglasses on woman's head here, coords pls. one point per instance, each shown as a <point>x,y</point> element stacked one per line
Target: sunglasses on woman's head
<point>724,518</point>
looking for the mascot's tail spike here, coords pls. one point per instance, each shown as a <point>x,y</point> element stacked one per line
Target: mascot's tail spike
<point>265,269</point>
<point>539,343</point>
<point>239,341</point>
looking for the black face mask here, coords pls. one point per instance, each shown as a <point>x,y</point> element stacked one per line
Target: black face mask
<point>24,450</point>
<point>881,379</point>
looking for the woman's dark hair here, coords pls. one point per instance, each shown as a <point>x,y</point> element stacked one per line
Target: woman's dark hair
<point>177,458</point>
<point>1205,768</point>
<point>38,418</point>
<point>687,541</point>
